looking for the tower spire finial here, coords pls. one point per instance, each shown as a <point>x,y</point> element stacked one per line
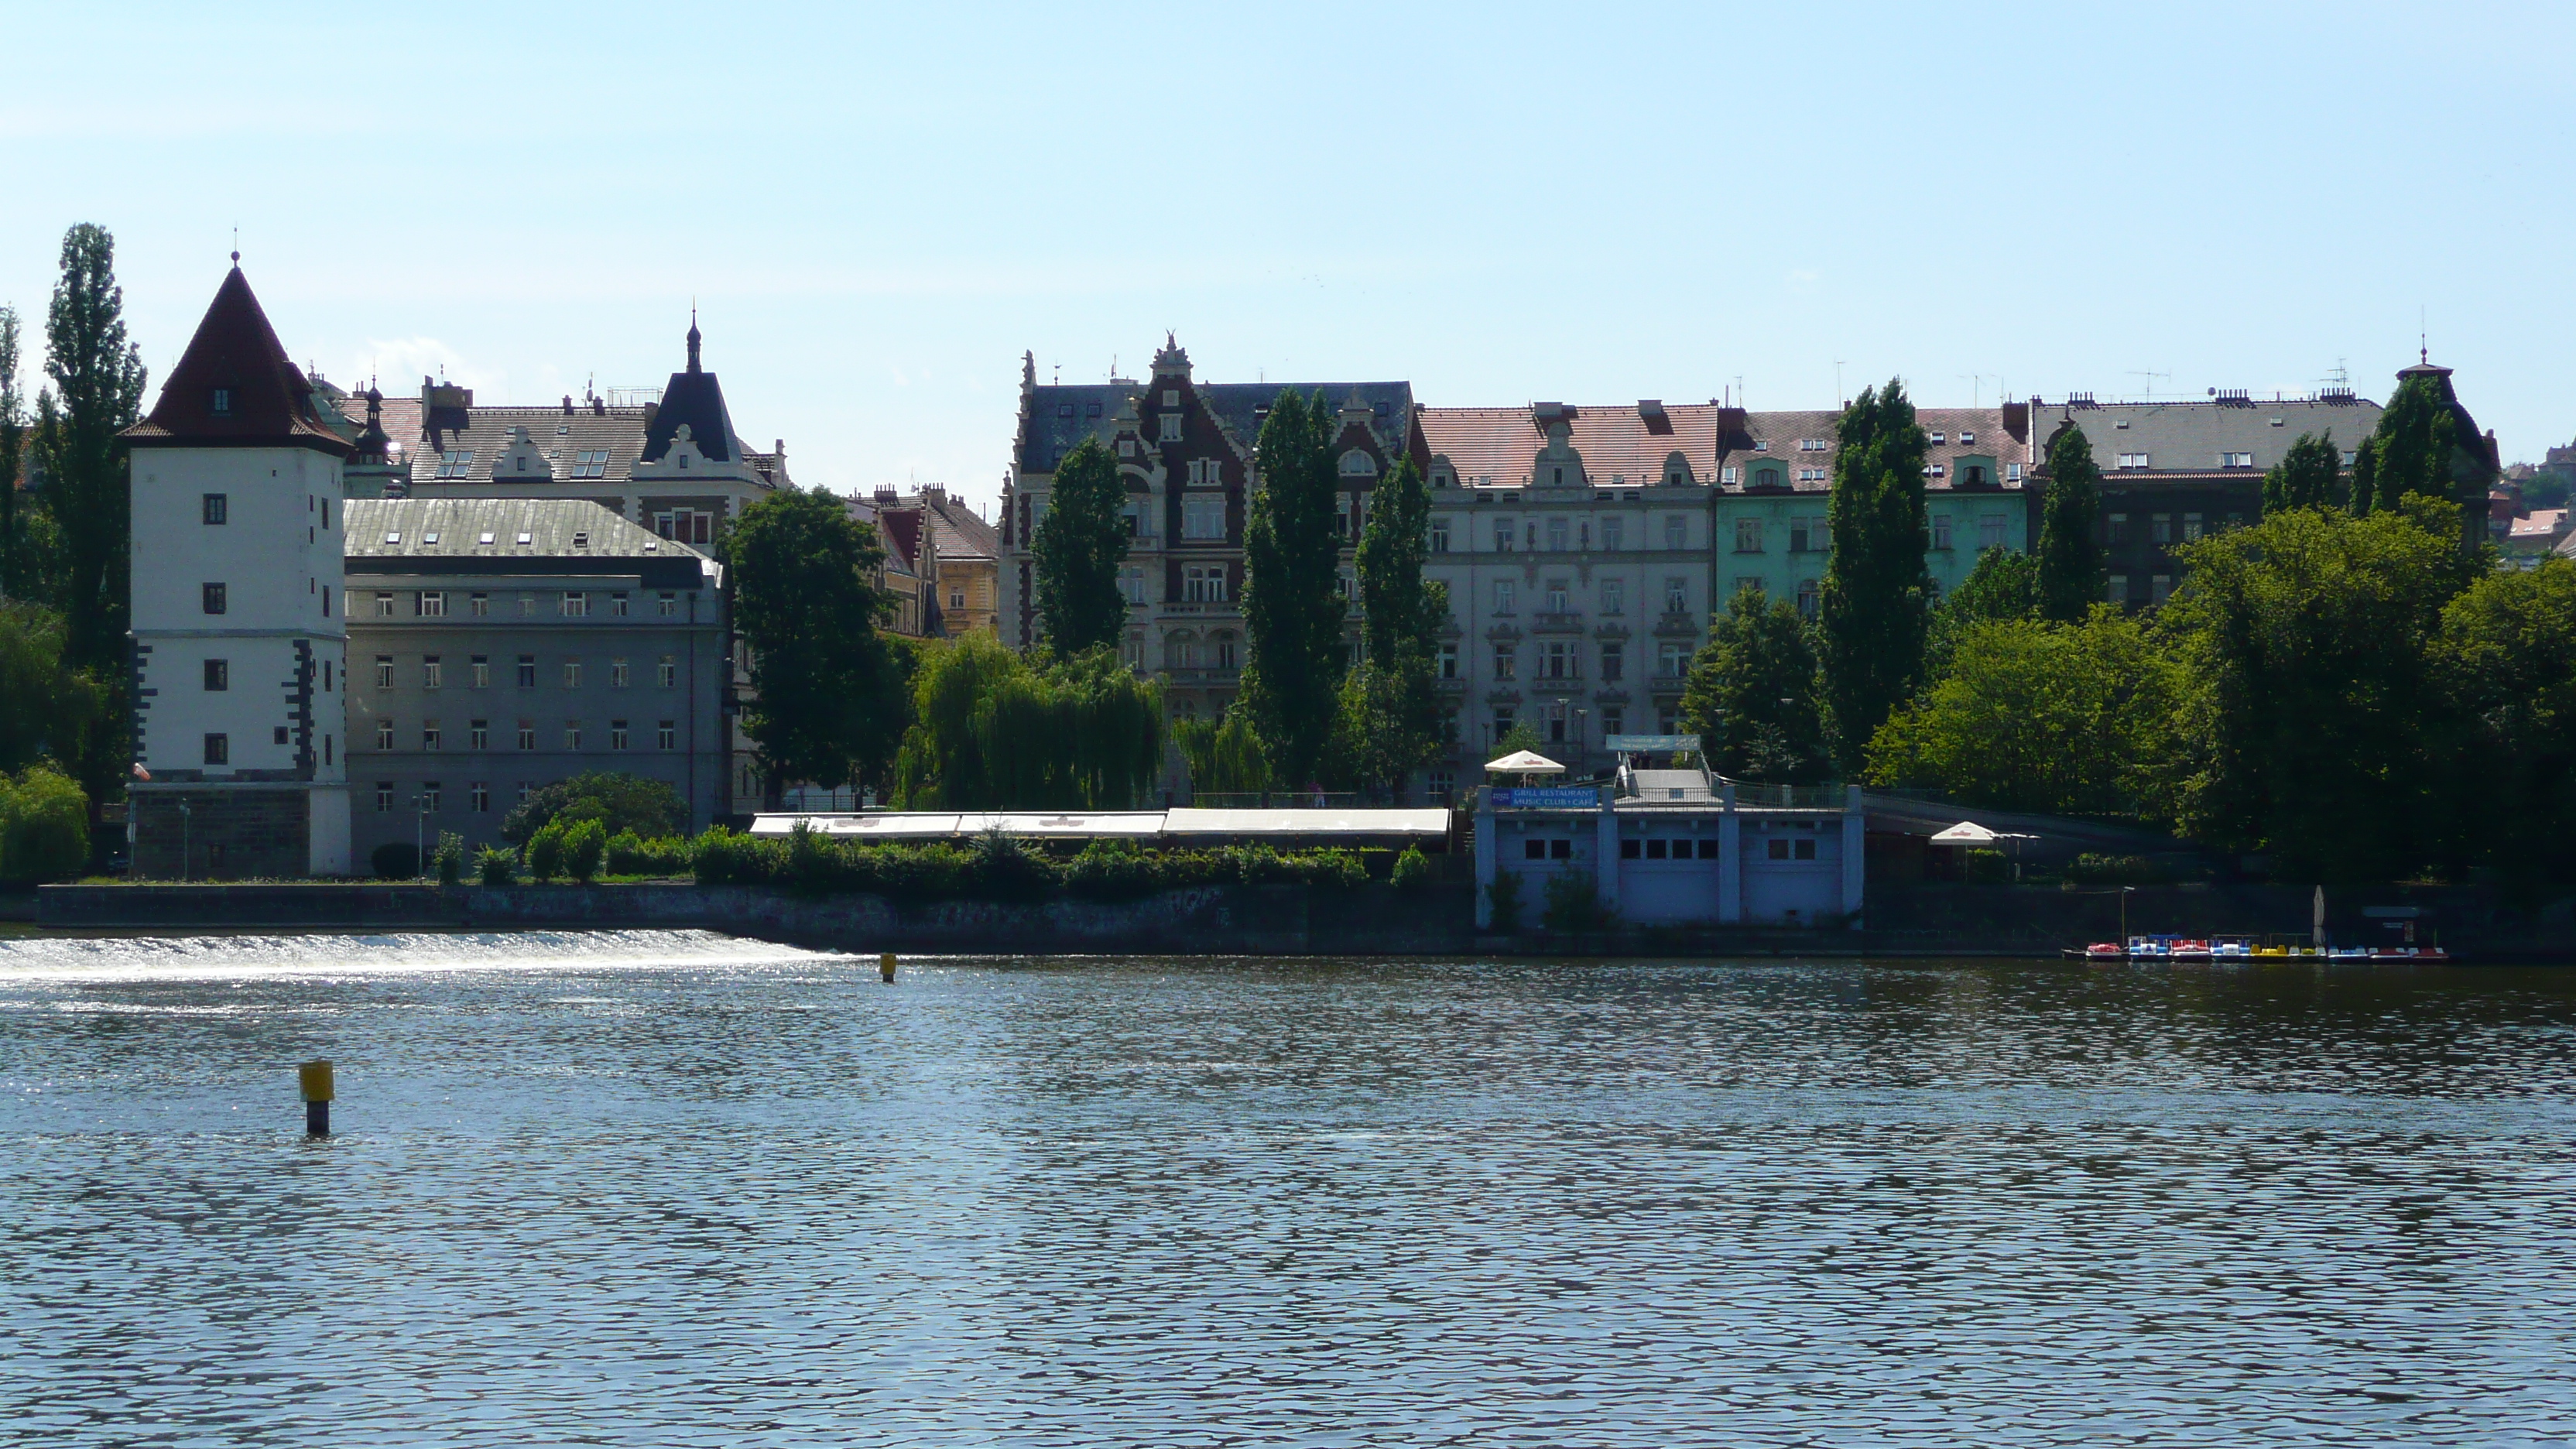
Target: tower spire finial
<point>693,334</point>
<point>237,246</point>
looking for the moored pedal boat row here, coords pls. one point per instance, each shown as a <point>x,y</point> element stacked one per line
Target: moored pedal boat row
<point>2244,948</point>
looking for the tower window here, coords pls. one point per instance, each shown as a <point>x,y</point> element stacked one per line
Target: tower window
<point>218,507</point>
<point>212,596</point>
<point>219,749</point>
<point>220,401</point>
<point>219,674</point>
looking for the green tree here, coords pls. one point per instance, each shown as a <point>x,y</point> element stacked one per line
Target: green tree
<point>1079,546</point>
<point>2308,732</point>
<point>1293,610</point>
<point>1751,698</point>
<point>97,392</point>
<point>1225,757</point>
<point>831,703</point>
<point>2505,661</point>
<point>2038,715</point>
<point>2003,585</point>
<point>13,443</point>
<point>1392,720</point>
<point>1876,601</point>
<point>2309,475</point>
<point>44,826</point>
<point>619,802</point>
<point>2424,449</point>
<point>994,730</point>
<point>2070,579</point>
<point>44,703</point>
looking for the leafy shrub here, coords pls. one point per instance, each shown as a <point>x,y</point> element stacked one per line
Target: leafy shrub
<point>1573,903</point>
<point>545,852</point>
<point>44,826</point>
<point>395,860</point>
<point>628,854</point>
<point>619,802</point>
<point>585,845</point>
<point>1504,895</point>
<point>450,858</point>
<point>2089,869</point>
<point>1412,870</point>
<point>1005,870</point>
<point>495,867</point>
<point>1108,869</point>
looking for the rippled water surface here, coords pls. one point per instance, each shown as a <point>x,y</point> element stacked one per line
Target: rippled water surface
<point>654,1188</point>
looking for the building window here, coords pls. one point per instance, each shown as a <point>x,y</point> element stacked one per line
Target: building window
<point>2117,528</point>
<point>666,735</point>
<point>617,674</point>
<point>212,597</point>
<point>1506,662</point>
<point>2133,460</point>
<point>482,667</point>
<point>384,671</point>
<point>1502,724</point>
<point>430,604</point>
<point>219,749</point>
<point>2190,526</point>
<point>1203,584</point>
<point>218,507</point>
<point>220,401</point>
<point>1225,657</point>
<point>479,795</point>
<point>1558,661</point>
<point>575,605</point>
<point>326,749</point>
<point>527,737</point>
<point>384,734</point>
<point>1672,661</point>
<point>1506,533</point>
<point>384,797</point>
<point>1556,596</point>
<point>1556,535</point>
<point>572,734</point>
<point>1440,535</point>
<point>527,606</point>
<point>385,604</point>
<point>1810,599</point>
<point>326,676</point>
<point>957,597</point>
<point>1676,596</point>
<point>1614,664</point>
<point>526,789</point>
<point>2235,460</point>
<point>668,671</point>
<point>1990,530</point>
<point>326,601</point>
<point>617,734</point>
<point>432,673</point>
<point>1677,534</point>
<point>2159,588</point>
<point>1506,596</point>
<point>527,671</point>
<point>2118,592</point>
<point>1449,660</point>
<point>1203,518</point>
<point>429,797</point>
<point>456,463</point>
<point>429,734</point>
<point>478,605</point>
<point>478,734</point>
<point>590,463</point>
<point>219,674</point>
<point>1614,596</point>
<point>1748,534</point>
<point>1940,532</point>
<point>617,606</point>
<point>572,674</point>
<point>2160,529</point>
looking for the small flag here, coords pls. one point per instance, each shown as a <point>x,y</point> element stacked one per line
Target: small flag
<point>141,773</point>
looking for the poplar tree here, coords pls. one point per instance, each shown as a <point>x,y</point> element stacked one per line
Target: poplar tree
<point>1877,594</point>
<point>1292,607</point>
<point>1079,546</point>
<point>97,393</point>
<point>830,703</point>
<point>1391,715</point>
<point>13,440</point>
<point>2309,475</point>
<point>2070,576</point>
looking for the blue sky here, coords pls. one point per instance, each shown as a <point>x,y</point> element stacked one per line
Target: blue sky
<point>877,210</point>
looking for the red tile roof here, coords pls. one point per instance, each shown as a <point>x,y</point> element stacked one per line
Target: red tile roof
<point>236,355</point>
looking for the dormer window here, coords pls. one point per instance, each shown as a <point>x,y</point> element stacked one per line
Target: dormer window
<point>525,540</point>
<point>1966,437</point>
<point>455,463</point>
<point>590,463</point>
<point>684,460</point>
<point>1358,464</point>
<point>1936,439</point>
<point>429,540</point>
<point>221,401</point>
<point>483,540</point>
<point>581,540</point>
<point>393,537</point>
<point>563,430</point>
<point>652,544</point>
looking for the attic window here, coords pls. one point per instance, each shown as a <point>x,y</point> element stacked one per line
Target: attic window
<point>525,540</point>
<point>563,430</point>
<point>581,540</point>
<point>1762,445</point>
<point>590,463</point>
<point>2276,422</point>
<point>1089,410</point>
<point>1936,439</point>
<point>1064,410</point>
<point>651,544</point>
<point>393,537</point>
<point>221,401</point>
<point>1966,437</point>
<point>430,539</point>
<point>2119,422</point>
<point>484,540</point>
<point>455,463</point>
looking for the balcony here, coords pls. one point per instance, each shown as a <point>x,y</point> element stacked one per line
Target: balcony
<point>1566,622</point>
<point>1677,624</point>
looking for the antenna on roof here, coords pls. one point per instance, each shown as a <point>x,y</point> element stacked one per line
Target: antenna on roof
<point>2151,380</point>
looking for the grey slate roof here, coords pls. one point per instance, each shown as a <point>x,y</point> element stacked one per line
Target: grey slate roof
<point>958,533</point>
<point>385,529</point>
<point>1062,415</point>
<point>1781,432</point>
<point>2188,437</point>
<point>557,433</point>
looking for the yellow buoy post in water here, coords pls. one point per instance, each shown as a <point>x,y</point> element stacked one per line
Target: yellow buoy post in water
<point>314,1079</point>
<point>885,966</point>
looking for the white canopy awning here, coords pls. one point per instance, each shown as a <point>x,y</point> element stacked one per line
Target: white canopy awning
<point>1524,762</point>
<point>1969,832</point>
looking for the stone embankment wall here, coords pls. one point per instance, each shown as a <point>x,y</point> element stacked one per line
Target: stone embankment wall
<point>1375,920</point>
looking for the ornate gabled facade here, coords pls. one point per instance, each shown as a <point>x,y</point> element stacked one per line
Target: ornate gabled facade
<point>1186,451</point>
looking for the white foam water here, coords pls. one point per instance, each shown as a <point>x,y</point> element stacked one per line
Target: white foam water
<point>244,958</point>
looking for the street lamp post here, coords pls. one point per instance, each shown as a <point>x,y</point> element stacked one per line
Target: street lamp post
<point>419,815</point>
<point>183,841</point>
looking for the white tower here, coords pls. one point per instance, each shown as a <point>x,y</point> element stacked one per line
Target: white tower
<point>239,646</point>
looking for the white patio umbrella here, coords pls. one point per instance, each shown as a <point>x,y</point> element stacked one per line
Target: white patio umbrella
<point>1524,762</point>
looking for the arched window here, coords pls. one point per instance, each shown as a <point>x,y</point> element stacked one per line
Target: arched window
<point>1358,464</point>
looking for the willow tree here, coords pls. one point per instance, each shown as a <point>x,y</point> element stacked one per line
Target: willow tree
<point>993,730</point>
<point>1877,594</point>
<point>1293,610</point>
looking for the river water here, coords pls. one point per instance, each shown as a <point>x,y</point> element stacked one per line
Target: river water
<point>666,1188</point>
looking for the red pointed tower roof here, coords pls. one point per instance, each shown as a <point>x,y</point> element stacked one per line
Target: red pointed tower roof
<point>234,386</point>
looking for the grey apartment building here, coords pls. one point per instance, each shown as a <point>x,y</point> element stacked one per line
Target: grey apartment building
<point>497,645</point>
